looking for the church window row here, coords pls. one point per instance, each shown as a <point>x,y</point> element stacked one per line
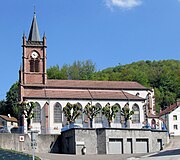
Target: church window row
<point>58,114</point>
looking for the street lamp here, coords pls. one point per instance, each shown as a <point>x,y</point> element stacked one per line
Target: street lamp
<point>33,134</point>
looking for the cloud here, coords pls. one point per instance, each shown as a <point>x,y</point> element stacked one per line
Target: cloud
<point>123,4</point>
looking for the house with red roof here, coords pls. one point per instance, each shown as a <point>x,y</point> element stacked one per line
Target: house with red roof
<point>171,117</point>
<point>7,123</point>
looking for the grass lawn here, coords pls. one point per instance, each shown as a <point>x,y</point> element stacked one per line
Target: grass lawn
<point>14,155</point>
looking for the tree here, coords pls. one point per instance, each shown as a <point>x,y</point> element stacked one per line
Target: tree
<point>126,113</point>
<point>81,70</point>
<point>54,72</point>
<point>12,101</point>
<point>91,111</point>
<point>110,112</point>
<point>3,107</point>
<point>27,109</point>
<point>72,111</point>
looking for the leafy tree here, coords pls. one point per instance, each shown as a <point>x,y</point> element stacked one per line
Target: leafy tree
<point>91,111</point>
<point>12,101</point>
<point>110,112</point>
<point>126,113</point>
<point>26,108</point>
<point>55,72</point>
<point>64,72</point>
<point>81,70</point>
<point>72,111</point>
<point>100,76</point>
<point>3,107</point>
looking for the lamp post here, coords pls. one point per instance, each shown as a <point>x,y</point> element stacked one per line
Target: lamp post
<point>33,134</point>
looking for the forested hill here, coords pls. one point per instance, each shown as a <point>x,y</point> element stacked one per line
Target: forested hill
<point>163,76</point>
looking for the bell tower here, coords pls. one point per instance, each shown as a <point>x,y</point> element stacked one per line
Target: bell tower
<point>33,70</point>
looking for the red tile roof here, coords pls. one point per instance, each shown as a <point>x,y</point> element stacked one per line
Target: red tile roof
<point>80,94</point>
<point>10,119</point>
<point>170,108</point>
<point>88,84</point>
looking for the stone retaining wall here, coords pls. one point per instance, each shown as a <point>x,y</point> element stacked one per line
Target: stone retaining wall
<point>102,140</point>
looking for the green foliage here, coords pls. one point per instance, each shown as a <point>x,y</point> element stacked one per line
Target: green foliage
<point>110,112</point>
<point>56,73</point>
<point>72,111</point>
<point>91,111</point>
<point>12,154</point>
<point>3,108</point>
<point>12,101</point>
<point>79,70</point>
<point>10,105</point>
<point>26,108</point>
<point>126,113</point>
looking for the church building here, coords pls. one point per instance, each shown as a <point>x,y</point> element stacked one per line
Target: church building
<point>50,96</point>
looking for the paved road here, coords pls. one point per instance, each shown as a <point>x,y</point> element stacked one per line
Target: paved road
<point>48,156</point>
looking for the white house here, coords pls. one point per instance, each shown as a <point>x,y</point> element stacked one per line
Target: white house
<point>51,96</point>
<point>8,122</point>
<point>171,117</point>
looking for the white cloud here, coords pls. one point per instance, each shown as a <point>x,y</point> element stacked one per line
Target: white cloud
<point>123,4</point>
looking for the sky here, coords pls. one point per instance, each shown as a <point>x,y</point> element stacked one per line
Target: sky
<point>108,32</point>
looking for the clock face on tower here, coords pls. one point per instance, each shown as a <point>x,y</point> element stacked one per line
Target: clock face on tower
<point>34,54</point>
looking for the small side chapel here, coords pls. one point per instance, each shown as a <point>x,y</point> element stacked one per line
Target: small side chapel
<point>50,96</point>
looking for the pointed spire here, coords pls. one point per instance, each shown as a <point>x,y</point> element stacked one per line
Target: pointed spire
<point>34,31</point>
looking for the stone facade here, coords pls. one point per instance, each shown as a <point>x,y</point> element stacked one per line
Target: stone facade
<point>96,141</point>
<point>101,140</point>
<point>45,143</point>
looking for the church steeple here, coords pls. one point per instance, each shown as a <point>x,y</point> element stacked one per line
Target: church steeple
<point>34,31</point>
<point>34,57</point>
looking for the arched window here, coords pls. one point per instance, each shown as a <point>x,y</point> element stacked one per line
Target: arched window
<point>34,65</point>
<point>136,115</point>
<point>37,113</point>
<point>117,119</point>
<point>57,113</point>
<point>98,118</point>
<point>79,119</point>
